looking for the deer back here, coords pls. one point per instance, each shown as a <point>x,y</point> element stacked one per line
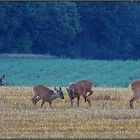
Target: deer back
<point>135,86</point>
<point>81,87</point>
<point>42,91</point>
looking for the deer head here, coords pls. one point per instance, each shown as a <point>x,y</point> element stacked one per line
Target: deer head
<point>59,92</point>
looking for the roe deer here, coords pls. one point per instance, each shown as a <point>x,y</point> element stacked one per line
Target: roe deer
<point>46,94</point>
<point>135,87</point>
<point>82,87</point>
<point>1,80</point>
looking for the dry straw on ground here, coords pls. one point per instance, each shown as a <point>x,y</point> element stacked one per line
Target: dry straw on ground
<point>109,116</point>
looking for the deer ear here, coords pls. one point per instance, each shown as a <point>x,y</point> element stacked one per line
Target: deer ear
<point>55,89</point>
<point>67,89</point>
<point>3,76</point>
<point>60,88</point>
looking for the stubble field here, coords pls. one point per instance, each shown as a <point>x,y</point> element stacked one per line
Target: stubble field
<point>109,116</point>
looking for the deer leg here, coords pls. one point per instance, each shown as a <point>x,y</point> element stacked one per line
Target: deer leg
<point>132,101</point>
<point>42,103</point>
<point>88,100</point>
<point>78,99</point>
<point>71,100</point>
<point>33,99</point>
<point>36,100</point>
<point>85,97</point>
<point>50,104</point>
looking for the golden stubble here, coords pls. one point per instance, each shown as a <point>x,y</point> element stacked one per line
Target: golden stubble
<point>109,116</point>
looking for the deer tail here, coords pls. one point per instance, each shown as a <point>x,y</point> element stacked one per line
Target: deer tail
<point>88,95</point>
<point>130,86</point>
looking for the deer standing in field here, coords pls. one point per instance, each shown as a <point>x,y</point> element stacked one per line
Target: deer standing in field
<point>46,94</point>
<point>1,80</point>
<point>135,87</point>
<point>80,88</point>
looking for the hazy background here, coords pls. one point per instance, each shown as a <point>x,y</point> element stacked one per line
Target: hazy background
<point>98,41</point>
<point>90,30</point>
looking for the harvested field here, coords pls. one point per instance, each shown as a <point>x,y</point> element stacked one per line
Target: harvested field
<point>109,116</point>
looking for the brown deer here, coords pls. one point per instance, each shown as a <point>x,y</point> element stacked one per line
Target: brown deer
<point>1,80</point>
<point>80,88</point>
<point>46,94</point>
<point>135,87</point>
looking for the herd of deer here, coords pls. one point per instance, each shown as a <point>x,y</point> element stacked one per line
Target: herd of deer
<point>75,90</point>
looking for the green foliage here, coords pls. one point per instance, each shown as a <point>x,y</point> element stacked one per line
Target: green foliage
<point>31,71</point>
<point>91,30</point>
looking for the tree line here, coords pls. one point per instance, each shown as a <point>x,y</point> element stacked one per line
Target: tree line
<point>89,30</point>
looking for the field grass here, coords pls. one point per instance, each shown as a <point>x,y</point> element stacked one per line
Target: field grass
<point>35,70</point>
<point>109,116</point>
